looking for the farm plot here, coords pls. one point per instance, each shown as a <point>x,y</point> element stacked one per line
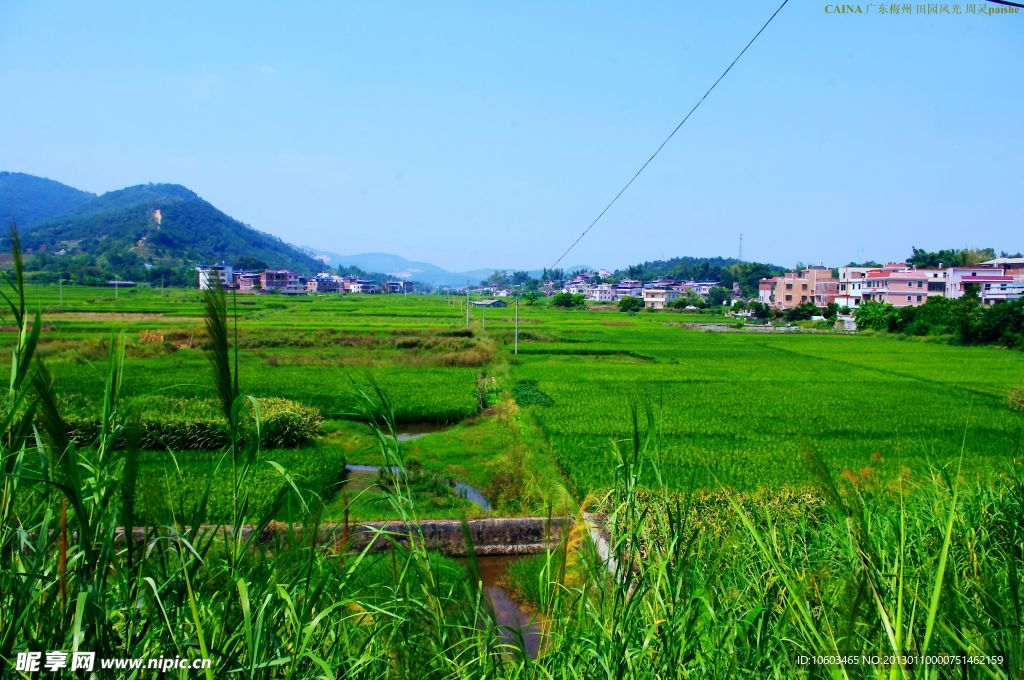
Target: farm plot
<point>747,411</point>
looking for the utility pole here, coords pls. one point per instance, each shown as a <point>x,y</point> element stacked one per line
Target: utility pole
<point>483,320</point>
<point>60,288</point>
<point>467,304</point>
<point>740,258</point>
<point>516,351</point>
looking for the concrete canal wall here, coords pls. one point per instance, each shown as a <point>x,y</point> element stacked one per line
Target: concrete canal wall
<point>490,536</point>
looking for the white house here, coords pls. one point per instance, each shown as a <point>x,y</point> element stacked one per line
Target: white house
<point>210,273</point>
<point>602,292</point>
<point>659,298</point>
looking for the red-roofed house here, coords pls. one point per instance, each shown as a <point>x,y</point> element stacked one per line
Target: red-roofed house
<point>902,286</point>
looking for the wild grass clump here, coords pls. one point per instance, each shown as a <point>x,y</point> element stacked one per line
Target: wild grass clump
<point>170,423</point>
<point>1015,399</point>
<point>282,423</point>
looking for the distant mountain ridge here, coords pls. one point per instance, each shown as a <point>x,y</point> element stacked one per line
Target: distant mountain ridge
<point>399,267</point>
<point>423,272</point>
<point>145,232</point>
<point>26,199</point>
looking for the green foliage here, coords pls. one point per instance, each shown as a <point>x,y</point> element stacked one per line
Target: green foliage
<point>801,312</point>
<point>761,310</point>
<point>115,236</point>
<point>874,315</point>
<point>630,304</point>
<point>26,200</point>
<point>283,424</point>
<point>526,393</point>
<point>966,257</point>
<point>189,424</point>
<point>964,320</point>
<point>725,269</point>
<point>568,300</point>
<point>688,298</point>
<point>718,296</point>
<point>737,409</point>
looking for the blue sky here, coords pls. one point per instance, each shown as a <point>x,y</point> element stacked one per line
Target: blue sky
<point>491,133</point>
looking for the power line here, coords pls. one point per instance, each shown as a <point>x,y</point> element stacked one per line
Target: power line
<point>670,136</point>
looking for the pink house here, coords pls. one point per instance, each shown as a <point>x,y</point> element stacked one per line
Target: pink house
<point>903,286</point>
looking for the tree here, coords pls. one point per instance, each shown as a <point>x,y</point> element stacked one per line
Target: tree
<point>521,277</point>
<point>874,315</point>
<point>718,296</point>
<point>801,312</point>
<point>950,257</point>
<point>630,304</point>
<point>831,310</point>
<point>688,299</point>
<point>568,300</point>
<point>250,263</point>
<point>498,279</point>
<point>760,310</point>
<point>531,298</point>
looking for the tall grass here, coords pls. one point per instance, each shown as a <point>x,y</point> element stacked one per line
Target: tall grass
<point>695,584</point>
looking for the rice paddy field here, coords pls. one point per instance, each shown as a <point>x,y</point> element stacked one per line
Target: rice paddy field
<point>735,409</point>
<point>695,451</point>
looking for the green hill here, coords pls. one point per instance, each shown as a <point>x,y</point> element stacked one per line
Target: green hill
<point>150,232</point>
<point>27,199</point>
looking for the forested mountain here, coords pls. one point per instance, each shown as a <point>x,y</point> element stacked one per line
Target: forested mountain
<point>27,199</point>
<point>150,232</point>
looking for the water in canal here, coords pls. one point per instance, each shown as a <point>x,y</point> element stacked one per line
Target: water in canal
<point>517,622</point>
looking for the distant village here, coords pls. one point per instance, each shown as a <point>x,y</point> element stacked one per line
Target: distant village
<point>997,280</point>
<point>285,282</point>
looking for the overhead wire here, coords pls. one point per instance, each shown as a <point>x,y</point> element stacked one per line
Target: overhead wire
<point>670,136</point>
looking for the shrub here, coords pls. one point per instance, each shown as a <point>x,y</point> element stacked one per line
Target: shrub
<point>568,300</point>
<point>182,424</point>
<point>1016,399</point>
<point>630,304</point>
<point>285,424</point>
<point>526,393</point>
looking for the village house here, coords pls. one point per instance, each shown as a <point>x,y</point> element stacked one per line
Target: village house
<point>364,287</point>
<point>903,286</point>
<point>851,286</point>
<point>282,281</point>
<point>209,274</point>
<point>488,303</point>
<point>247,282</point>
<point>659,298</point>
<point>602,292</point>
<point>993,283</point>
<point>701,288</point>
<point>793,289</point>
<point>826,291</point>
<point>324,283</point>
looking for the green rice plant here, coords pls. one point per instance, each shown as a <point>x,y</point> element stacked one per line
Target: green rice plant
<point>183,424</point>
<point>680,581</point>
